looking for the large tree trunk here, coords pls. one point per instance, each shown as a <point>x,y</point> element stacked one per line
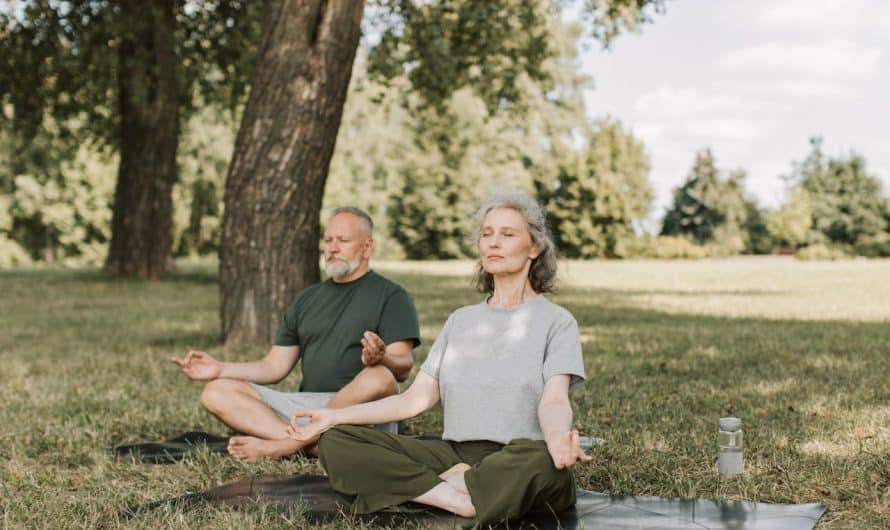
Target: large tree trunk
<point>275,185</point>
<point>149,121</point>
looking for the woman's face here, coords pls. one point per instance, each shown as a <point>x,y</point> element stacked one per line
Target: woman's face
<point>505,245</point>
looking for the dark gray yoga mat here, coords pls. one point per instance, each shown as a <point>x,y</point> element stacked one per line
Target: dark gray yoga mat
<point>314,495</point>
<point>174,449</point>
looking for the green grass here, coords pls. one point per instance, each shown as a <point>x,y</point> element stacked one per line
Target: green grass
<point>799,351</point>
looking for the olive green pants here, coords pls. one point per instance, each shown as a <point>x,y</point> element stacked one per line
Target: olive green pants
<point>378,469</point>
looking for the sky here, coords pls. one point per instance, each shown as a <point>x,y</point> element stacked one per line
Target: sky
<point>753,80</point>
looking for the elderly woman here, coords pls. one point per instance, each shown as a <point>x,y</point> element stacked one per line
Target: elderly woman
<point>502,369</point>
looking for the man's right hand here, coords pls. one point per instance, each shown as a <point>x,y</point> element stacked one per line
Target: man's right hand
<point>199,366</point>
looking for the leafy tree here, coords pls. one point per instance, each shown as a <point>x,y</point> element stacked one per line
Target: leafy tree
<point>848,204</point>
<point>758,240</point>
<point>124,74</point>
<point>598,195</point>
<point>460,155</point>
<point>276,180</point>
<point>462,151</point>
<point>709,209</point>
<point>56,197</point>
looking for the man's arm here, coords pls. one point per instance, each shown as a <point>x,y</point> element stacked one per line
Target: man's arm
<point>397,356</point>
<point>272,368</point>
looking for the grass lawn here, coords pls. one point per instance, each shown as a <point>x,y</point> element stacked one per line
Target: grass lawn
<point>800,351</point>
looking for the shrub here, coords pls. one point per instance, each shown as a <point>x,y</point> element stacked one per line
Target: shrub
<point>677,247</point>
<point>820,252</point>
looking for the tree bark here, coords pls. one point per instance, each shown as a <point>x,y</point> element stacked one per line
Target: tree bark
<point>274,189</point>
<point>148,103</point>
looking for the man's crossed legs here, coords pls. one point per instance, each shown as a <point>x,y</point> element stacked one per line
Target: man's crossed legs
<point>262,414</point>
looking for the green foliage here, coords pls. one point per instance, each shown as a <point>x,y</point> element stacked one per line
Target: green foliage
<point>790,225</point>
<point>596,196</point>
<point>60,59</point>
<point>759,240</point>
<point>677,247</point>
<point>56,207</point>
<point>459,157</point>
<point>459,152</point>
<point>848,204</point>
<point>61,214</point>
<point>373,137</point>
<point>709,209</point>
<point>441,46</point>
<point>204,154</point>
<point>822,252</point>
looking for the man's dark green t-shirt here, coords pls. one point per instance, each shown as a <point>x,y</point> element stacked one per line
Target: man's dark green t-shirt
<point>328,319</point>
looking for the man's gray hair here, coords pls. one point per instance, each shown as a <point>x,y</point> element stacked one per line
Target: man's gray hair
<point>358,212</point>
<point>542,273</point>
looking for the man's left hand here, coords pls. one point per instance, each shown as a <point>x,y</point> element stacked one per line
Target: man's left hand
<point>373,349</point>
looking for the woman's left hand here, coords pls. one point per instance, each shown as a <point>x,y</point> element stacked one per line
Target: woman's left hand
<point>565,450</point>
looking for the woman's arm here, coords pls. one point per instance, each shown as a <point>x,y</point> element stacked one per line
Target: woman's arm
<point>555,417</point>
<point>420,397</point>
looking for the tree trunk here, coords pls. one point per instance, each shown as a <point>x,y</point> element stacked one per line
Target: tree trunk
<point>148,104</point>
<point>275,185</point>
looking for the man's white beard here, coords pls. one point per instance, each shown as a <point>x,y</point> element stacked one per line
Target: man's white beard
<point>340,269</point>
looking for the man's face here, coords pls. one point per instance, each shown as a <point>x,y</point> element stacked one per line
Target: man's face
<point>347,244</point>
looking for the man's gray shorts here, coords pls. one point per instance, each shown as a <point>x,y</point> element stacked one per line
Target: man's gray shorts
<point>286,403</point>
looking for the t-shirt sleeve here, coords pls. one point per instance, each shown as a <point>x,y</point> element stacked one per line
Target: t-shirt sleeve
<point>398,320</point>
<point>288,334</point>
<point>434,358</point>
<point>563,355</point>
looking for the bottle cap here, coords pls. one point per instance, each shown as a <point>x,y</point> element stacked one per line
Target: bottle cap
<point>730,424</point>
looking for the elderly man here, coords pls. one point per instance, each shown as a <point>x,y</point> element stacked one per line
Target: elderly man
<point>353,332</point>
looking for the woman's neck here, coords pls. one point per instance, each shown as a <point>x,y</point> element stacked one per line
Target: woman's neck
<point>511,291</point>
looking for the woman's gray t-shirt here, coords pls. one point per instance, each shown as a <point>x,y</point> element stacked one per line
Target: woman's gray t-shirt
<point>491,365</point>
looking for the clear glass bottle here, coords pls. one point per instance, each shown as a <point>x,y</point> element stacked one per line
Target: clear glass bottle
<point>729,447</point>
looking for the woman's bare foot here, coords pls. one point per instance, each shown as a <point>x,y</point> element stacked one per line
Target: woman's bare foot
<point>454,476</point>
<point>251,448</point>
<point>445,496</point>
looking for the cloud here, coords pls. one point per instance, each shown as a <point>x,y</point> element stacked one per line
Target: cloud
<point>723,128</point>
<point>792,89</point>
<point>813,15</point>
<point>670,101</point>
<point>833,58</point>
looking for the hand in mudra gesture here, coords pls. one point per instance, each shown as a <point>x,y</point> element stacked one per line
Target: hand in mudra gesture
<point>565,450</point>
<point>373,349</point>
<point>320,420</point>
<point>199,366</point>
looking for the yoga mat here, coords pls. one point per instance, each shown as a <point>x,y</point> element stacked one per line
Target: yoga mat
<point>320,503</point>
<point>174,449</point>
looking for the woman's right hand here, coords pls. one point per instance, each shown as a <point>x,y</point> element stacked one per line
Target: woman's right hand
<point>198,365</point>
<point>565,450</point>
<point>320,420</point>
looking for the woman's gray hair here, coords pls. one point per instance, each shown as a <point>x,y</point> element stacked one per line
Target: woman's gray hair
<point>542,273</point>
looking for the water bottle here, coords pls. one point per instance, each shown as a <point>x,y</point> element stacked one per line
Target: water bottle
<point>729,447</point>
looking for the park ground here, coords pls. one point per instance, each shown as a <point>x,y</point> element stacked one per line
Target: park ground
<point>799,350</point>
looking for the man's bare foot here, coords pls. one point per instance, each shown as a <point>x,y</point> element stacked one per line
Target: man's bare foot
<point>454,476</point>
<point>251,448</point>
